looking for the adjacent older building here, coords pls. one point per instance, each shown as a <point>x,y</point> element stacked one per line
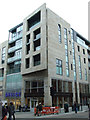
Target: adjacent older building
<point>47,61</point>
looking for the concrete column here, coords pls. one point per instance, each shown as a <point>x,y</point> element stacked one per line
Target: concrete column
<point>4,85</point>
<point>47,96</point>
<point>78,93</point>
<point>73,89</point>
<point>22,93</point>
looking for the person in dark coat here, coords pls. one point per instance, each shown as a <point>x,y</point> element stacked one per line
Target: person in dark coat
<point>66,107</point>
<point>37,109</point>
<point>11,110</point>
<point>4,112</point>
<point>40,108</point>
<point>75,107</point>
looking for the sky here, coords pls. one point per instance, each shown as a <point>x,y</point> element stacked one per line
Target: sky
<point>12,12</point>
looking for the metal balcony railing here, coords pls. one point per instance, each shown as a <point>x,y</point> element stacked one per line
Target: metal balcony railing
<point>12,59</point>
<point>12,49</point>
<point>15,38</point>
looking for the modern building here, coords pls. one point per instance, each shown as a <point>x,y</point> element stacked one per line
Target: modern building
<point>46,61</point>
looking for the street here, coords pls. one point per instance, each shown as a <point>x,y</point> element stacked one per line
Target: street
<point>67,116</point>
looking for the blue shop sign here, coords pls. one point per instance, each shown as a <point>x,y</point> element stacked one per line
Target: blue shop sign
<point>16,94</point>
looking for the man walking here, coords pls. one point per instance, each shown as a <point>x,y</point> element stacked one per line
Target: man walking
<point>11,111</point>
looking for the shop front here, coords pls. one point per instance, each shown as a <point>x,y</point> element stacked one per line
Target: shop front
<point>13,96</point>
<point>34,93</point>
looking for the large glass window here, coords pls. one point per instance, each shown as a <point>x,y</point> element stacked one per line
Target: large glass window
<point>3,54</point>
<point>58,67</point>
<point>66,52</point>
<point>85,74</point>
<point>73,53</point>
<point>37,39</point>
<point>80,71</point>
<point>36,60</point>
<point>59,32</point>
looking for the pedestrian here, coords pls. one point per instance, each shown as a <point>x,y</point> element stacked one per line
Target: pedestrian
<point>4,112</point>
<point>75,107</point>
<point>40,108</point>
<point>66,107</point>
<point>11,110</point>
<point>37,109</point>
<point>20,108</point>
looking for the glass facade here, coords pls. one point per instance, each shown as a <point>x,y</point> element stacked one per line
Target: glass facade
<point>66,51</point>
<point>73,52</point>
<point>14,82</point>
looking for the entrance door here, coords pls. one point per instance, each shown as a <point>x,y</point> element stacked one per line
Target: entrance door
<point>33,102</point>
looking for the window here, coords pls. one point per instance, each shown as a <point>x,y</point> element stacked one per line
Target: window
<point>27,63</point>
<point>84,60</point>
<point>66,51</point>
<point>27,44</point>
<point>37,39</point>
<point>85,74</point>
<point>70,53</point>
<point>78,48</point>
<point>3,54</point>
<point>69,41</point>
<point>2,72</point>
<point>83,51</point>
<point>58,67</point>
<point>80,71</point>
<point>71,67</point>
<point>59,32</point>
<point>34,20</point>
<point>36,59</point>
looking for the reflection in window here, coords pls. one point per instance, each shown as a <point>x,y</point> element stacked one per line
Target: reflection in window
<point>58,66</point>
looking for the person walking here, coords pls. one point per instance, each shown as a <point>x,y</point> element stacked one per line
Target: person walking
<point>11,111</point>
<point>66,107</point>
<point>37,109</point>
<point>4,113</point>
<point>75,107</point>
<point>40,108</point>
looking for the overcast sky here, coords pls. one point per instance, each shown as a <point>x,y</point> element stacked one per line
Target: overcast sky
<point>12,12</point>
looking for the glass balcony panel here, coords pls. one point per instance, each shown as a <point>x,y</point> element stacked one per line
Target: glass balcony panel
<point>34,25</point>
<point>18,35</point>
<point>12,59</point>
<point>12,49</point>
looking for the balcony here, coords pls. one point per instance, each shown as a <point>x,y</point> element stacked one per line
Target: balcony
<point>12,59</point>
<point>18,35</point>
<point>12,49</point>
<point>14,70</point>
<point>34,25</point>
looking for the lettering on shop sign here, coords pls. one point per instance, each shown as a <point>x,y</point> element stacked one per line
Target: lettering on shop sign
<point>17,94</point>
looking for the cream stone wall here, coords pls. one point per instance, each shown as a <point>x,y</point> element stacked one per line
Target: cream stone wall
<point>42,50</point>
<point>3,83</point>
